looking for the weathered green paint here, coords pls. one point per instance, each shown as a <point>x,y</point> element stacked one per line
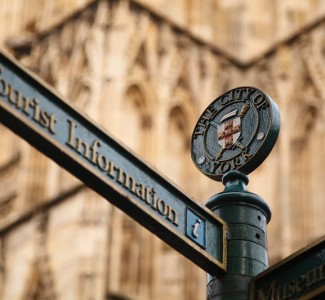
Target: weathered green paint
<point>299,276</point>
<point>246,215</point>
<point>40,116</point>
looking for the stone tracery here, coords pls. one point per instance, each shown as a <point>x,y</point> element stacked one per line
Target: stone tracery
<point>157,78</point>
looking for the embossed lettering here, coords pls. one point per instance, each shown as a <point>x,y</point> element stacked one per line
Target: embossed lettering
<point>103,163</point>
<point>196,226</point>
<point>92,154</point>
<point>30,108</point>
<point>246,155</point>
<point>294,288</point>
<point>260,102</point>
<point>249,93</point>
<point>199,130</point>
<point>83,148</point>
<point>220,167</point>
<point>161,205</point>
<point>172,215</point>
<point>238,94</point>
<point>72,128</point>
<point>223,167</point>
<point>140,191</point>
<point>204,121</point>
<point>261,293</point>
<point>225,99</point>
<point>124,179</point>
<point>94,157</point>
<point>15,97</point>
<point>90,151</point>
<point>201,126</point>
<point>3,85</point>
<point>236,162</point>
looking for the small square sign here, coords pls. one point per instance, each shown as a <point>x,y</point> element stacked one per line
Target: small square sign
<point>196,228</point>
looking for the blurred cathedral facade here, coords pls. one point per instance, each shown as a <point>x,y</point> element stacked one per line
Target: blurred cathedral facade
<point>145,70</point>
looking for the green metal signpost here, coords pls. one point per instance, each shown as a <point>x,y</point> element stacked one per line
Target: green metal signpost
<point>233,136</point>
<point>36,113</point>
<point>300,276</point>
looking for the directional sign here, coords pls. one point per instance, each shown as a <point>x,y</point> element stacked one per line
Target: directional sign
<point>40,116</point>
<point>300,276</point>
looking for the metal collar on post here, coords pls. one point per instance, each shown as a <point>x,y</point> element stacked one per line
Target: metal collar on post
<point>246,215</point>
<point>235,191</point>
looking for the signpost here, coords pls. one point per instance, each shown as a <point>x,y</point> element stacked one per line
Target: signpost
<point>233,136</point>
<point>299,276</point>
<point>38,114</point>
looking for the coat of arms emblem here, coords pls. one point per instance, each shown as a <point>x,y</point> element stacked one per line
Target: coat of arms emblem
<point>229,132</point>
<point>236,132</point>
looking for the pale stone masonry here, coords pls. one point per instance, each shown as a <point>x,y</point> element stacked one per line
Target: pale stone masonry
<point>145,70</point>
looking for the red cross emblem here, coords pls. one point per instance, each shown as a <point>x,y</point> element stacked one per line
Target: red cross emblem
<point>229,132</point>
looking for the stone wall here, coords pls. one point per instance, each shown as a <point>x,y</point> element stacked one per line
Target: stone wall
<point>146,78</point>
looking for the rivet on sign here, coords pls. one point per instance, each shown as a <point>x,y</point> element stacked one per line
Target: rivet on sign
<point>260,136</point>
<point>201,160</point>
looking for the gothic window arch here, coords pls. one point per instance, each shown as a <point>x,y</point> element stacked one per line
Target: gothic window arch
<point>136,125</point>
<point>47,70</point>
<point>10,163</point>
<point>40,284</point>
<point>177,144</point>
<point>306,159</point>
<point>181,119</point>
<point>37,163</point>
<point>39,287</point>
<point>80,93</point>
<point>135,242</point>
<point>179,170</point>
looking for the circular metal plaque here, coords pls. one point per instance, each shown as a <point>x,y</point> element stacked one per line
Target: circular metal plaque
<point>237,131</point>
